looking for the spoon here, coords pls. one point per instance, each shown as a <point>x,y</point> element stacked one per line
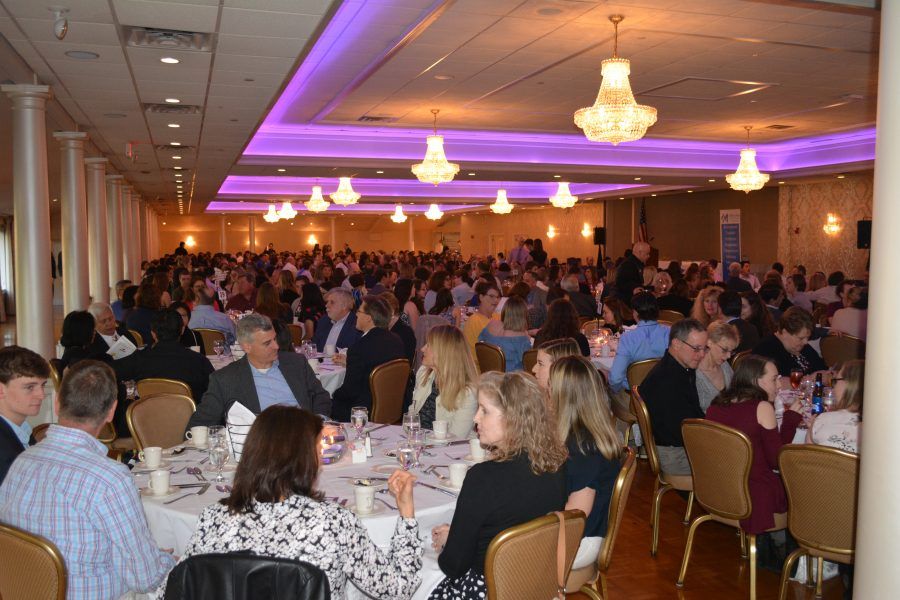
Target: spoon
<point>225,489</point>
<point>196,472</point>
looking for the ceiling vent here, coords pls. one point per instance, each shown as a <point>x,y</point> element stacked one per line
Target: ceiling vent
<point>167,39</point>
<point>779,127</point>
<point>171,109</point>
<point>164,147</point>
<point>374,119</point>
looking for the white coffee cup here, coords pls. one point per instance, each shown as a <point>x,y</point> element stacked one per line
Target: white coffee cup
<point>196,349</point>
<point>365,498</point>
<point>198,435</point>
<point>330,349</point>
<point>159,483</point>
<point>152,456</point>
<point>476,450</point>
<point>440,428</point>
<point>458,474</point>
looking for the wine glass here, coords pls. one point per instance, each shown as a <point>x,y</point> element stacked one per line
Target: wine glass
<point>406,456</point>
<point>411,422</point>
<point>218,455</point>
<point>219,348</point>
<point>796,378</point>
<point>359,417</point>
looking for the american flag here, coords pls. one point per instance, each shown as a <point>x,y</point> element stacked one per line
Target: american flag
<point>642,228</point>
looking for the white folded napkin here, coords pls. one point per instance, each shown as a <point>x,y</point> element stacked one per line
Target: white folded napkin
<point>237,426</point>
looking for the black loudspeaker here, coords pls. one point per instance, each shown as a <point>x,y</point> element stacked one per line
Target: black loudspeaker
<point>600,236</point>
<point>864,234</point>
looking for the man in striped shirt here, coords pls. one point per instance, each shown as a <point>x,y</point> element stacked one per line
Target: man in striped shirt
<point>66,490</point>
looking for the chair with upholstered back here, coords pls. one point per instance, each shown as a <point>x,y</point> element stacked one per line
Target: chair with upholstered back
<point>153,386</point>
<point>670,316</point>
<point>636,372</point>
<point>137,337</point>
<point>521,560</point>
<point>489,357</point>
<point>56,372</point>
<point>817,476</point>
<point>424,324</point>
<point>210,337</point>
<point>720,458</point>
<point>33,568</point>
<point>739,357</point>
<point>529,359</point>
<point>387,384</point>
<point>841,348</point>
<point>297,332</point>
<point>159,420</point>
<point>592,579</point>
<point>589,326</point>
<point>664,481</point>
<point>39,432</point>
<point>245,576</point>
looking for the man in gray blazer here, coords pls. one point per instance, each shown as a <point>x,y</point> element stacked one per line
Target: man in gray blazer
<point>262,378</point>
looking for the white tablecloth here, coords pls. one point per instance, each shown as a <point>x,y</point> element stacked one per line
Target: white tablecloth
<point>173,524</point>
<point>330,375</point>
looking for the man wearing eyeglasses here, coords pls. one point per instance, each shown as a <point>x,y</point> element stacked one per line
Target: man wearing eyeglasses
<point>670,392</point>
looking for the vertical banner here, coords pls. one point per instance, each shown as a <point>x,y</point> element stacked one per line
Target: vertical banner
<point>730,228</point>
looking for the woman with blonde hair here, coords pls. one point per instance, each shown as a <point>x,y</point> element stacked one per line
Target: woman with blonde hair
<point>840,426</point>
<point>649,275</point>
<point>548,353</point>
<point>286,284</point>
<point>706,305</point>
<point>586,424</point>
<point>523,479</point>
<point>510,333</point>
<point>714,373</point>
<point>445,383</point>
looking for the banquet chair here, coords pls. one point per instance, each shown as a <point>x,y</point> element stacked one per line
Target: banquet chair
<point>489,357</point>
<point>817,476</point>
<point>521,561</point>
<point>841,348</point>
<point>33,568</point>
<point>137,337</point>
<point>297,332</point>
<point>39,432</point>
<point>720,460</point>
<point>664,481</point>
<point>591,580</point>
<point>591,326</point>
<point>387,384</point>
<point>670,316</point>
<point>56,372</point>
<point>582,321</point>
<point>153,386</point>
<point>529,359</point>
<point>210,336</point>
<point>636,372</point>
<point>159,420</point>
<point>735,359</point>
<point>424,324</point>
<point>245,576</point>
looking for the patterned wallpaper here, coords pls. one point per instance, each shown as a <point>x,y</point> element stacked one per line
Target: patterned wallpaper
<point>802,211</point>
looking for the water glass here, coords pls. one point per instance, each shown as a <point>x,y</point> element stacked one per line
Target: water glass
<point>416,441</point>
<point>406,456</point>
<point>411,422</point>
<point>218,456</point>
<point>219,347</point>
<point>359,417</point>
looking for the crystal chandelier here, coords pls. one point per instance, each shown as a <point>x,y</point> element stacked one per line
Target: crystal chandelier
<point>316,202</point>
<point>345,196</point>
<point>747,178</point>
<point>398,216</point>
<point>832,224</point>
<point>615,116</point>
<point>434,213</point>
<point>272,216</point>
<point>287,211</point>
<point>501,205</point>
<point>563,198</point>
<point>435,168</point>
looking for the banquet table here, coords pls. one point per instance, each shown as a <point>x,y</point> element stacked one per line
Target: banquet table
<point>173,524</point>
<point>330,375</point>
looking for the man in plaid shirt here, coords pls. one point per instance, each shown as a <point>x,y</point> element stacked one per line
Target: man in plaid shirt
<point>67,490</point>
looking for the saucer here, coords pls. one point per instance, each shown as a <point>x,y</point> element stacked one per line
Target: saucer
<point>148,493</point>
<point>469,459</point>
<point>164,465</point>
<point>385,468</point>
<point>379,509</point>
<point>447,486</point>
<point>436,441</point>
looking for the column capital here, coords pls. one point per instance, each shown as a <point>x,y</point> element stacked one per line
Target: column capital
<point>25,90</point>
<point>70,139</point>
<point>95,162</point>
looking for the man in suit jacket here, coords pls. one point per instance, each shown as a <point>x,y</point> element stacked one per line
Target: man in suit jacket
<point>337,327</point>
<point>376,347</point>
<point>167,357</point>
<point>730,305</point>
<point>262,378</point>
<point>630,274</point>
<point>23,374</point>
<point>108,330</point>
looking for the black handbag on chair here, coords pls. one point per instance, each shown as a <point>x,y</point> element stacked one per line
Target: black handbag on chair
<point>245,576</point>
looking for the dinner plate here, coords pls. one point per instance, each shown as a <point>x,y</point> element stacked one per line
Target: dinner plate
<point>385,468</point>
<point>164,465</point>
<point>379,510</point>
<point>148,493</point>
<point>435,441</point>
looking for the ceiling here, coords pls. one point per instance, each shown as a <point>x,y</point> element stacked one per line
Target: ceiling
<point>281,87</point>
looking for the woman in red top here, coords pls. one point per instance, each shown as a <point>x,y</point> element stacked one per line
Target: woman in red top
<point>747,405</point>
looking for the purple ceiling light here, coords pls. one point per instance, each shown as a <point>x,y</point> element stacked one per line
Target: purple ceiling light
<point>220,206</point>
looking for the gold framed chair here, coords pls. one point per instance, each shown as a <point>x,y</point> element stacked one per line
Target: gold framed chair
<point>841,348</point>
<point>621,404</point>
<point>670,316</point>
<point>39,432</point>
<point>591,580</point>
<point>720,459</point>
<point>582,321</point>
<point>33,567</point>
<point>297,332</point>
<point>137,337</point>
<point>107,436</point>
<point>56,373</point>
<point>739,357</point>
<point>489,357</point>
<point>664,481</point>
<point>153,386</point>
<point>529,359</point>
<point>387,384</point>
<point>520,561</point>
<point>159,420</point>
<point>210,336</point>
<point>817,476</point>
<point>589,326</point>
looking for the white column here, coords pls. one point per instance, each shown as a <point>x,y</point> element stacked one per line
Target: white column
<point>333,234</point>
<point>136,234</point>
<point>73,217</point>
<point>412,234</point>
<point>114,230</point>
<point>98,242</point>
<point>252,231</point>
<point>877,528</point>
<point>222,241</point>
<point>127,245</point>
<point>31,209</point>
<point>145,245</point>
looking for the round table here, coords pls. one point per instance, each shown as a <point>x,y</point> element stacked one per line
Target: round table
<point>173,524</point>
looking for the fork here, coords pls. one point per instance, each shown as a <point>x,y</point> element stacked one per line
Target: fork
<point>199,492</point>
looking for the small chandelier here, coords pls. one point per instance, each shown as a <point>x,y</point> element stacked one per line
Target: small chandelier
<point>434,213</point>
<point>287,211</point>
<point>615,116</point>
<point>832,225</point>
<point>747,178</point>
<point>563,198</point>
<point>272,216</point>
<point>501,205</point>
<point>316,202</point>
<point>398,216</point>
<point>435,168</point>
<point>345,196</point>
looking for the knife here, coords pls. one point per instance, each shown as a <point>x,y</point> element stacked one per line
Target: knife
<point>454,443</point>
<point>437,489</point>
<point>199,492</point>
<point>377,428</point>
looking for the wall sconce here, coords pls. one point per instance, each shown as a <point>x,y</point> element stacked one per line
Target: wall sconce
<point>586,231</point>
<point>312,241</point>
<point>832,225</point>
<point>189,241</point>
<point>551,232</point>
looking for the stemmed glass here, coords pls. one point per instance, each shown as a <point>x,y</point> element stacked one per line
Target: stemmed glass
<point>359,417</point>
<point>218,454</point>
<point>219,348</point>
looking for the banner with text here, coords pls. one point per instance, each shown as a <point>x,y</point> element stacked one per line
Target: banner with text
<point>730,224</point>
